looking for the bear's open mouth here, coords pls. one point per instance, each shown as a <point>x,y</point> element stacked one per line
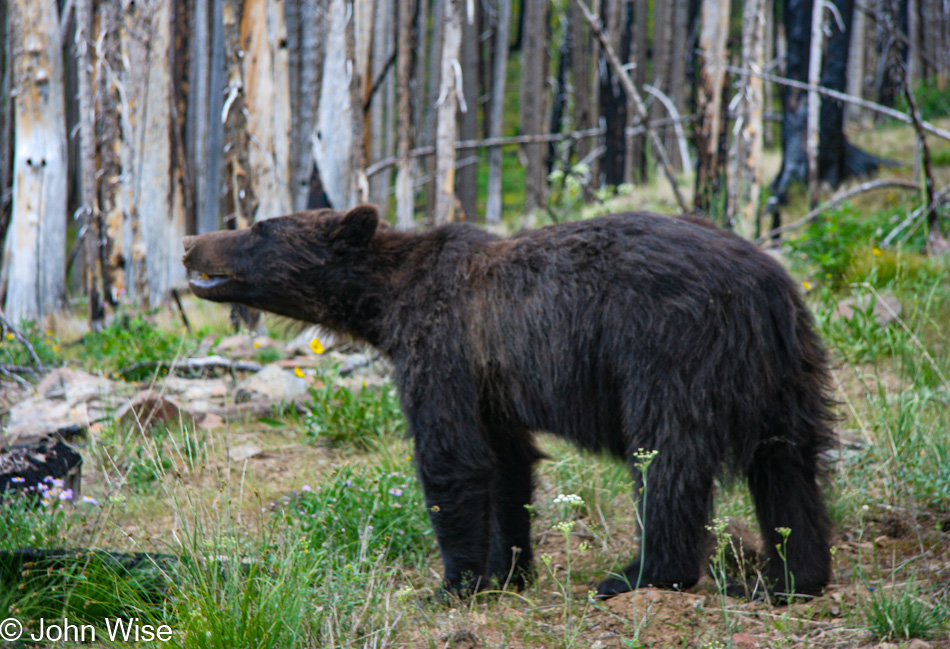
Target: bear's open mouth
<point>206,281</point>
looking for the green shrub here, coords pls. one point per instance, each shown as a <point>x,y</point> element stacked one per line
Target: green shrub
<point>135,348</point>
<point>362,418</point>
<point>354,518</point>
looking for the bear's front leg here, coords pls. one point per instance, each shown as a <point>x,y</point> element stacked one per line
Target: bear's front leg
<point>458,496</point>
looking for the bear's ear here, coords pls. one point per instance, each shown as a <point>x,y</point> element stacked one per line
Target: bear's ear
<point>359,225</point>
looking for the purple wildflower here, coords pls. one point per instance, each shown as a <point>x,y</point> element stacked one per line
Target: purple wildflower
<point>66,494</point>
<point>395,491</point>
<point>17,480</point>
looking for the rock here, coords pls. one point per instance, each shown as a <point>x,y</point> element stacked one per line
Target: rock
<point>66,400</point>
<point>195,390</point>
<point>887,308</point>
<point>211,421</point>
<point>36,419</point>
<point>245,451</point>
<point>148,408</point>
<point>917,643</point>
<point>245,346</point>
<point>354,362</point>
<point>74,386</point>
<point>271,384</point>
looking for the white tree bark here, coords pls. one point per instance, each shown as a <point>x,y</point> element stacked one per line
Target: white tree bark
<point>745,190</point>
<point>154,204</point>
<point>333,139</point>
<point>35,246</point>
<point>448,106</point>
<point>404,194</point>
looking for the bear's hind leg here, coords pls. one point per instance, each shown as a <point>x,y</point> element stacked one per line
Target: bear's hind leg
<point>678,496</point>
<point>783,480</point>
<point>510,556</point>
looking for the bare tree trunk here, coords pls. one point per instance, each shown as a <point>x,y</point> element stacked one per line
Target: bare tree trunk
<point>534,92</point>
<point>814,100</point>
<point>856,61</point>
<point>681,49</point>
<point>427,134</point>
<point>448,106</point>
<point>87,134</point>
<point>334,141</point>
<point>585,113</point>
<point>746,187</point>
<point>154,203</point>
<point>267,101</point>
<point>6,124</point>
<point>638,147</point>
<point>241,202</point>
<point>468,120</point>
<point>404,194</point>
<point>305,29</point>
<point>109,139</point>
<point>710,176</point>
<point>376,134</point>
<point>34,249</point>
<point>359,187</point>
<point>493,202</point>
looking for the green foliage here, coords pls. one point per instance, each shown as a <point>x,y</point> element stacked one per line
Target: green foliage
<point>932,100</point>
<point>902,614</point>
<point>134,347</point>
<point>257,594</point>
<point>361,419</point>
<point>13,352</point>
<point>354,517</point>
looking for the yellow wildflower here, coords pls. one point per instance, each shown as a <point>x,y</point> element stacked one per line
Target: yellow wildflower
<point>807,285</point>
<point>316,346</point>
<point>299,372</point>
<point>877,252</point>
<point>257,344</point>
<point>9,335</point>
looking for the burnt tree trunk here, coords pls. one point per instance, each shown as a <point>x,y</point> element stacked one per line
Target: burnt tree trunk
<point>613,100</point>
<point>493,202</point>
<point>837,158</point>
<point>467,184</point>
<point>534,92</point>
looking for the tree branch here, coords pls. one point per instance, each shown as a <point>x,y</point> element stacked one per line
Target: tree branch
<point>633,96</point>
<point>835,201</point>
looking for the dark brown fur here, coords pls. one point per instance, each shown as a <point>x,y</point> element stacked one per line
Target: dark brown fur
<point>624,332</point>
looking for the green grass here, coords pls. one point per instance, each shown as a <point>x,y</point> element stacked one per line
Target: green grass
<point>903,613</point>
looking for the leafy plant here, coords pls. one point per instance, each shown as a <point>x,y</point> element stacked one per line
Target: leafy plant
<point>362,418</point>
<point>13,352</point>
<point>134,347</point>
<point>354,517</point>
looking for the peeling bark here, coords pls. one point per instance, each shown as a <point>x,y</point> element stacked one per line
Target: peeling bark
<point>267,101</point>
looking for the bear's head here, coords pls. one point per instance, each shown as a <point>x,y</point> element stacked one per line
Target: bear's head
<point>308,266</point>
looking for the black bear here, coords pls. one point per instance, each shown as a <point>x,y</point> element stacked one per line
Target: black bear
<point>623,332</point>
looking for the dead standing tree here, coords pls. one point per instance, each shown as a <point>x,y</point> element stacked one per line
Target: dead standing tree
<point>838,159</point>
<point>34,272</point>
